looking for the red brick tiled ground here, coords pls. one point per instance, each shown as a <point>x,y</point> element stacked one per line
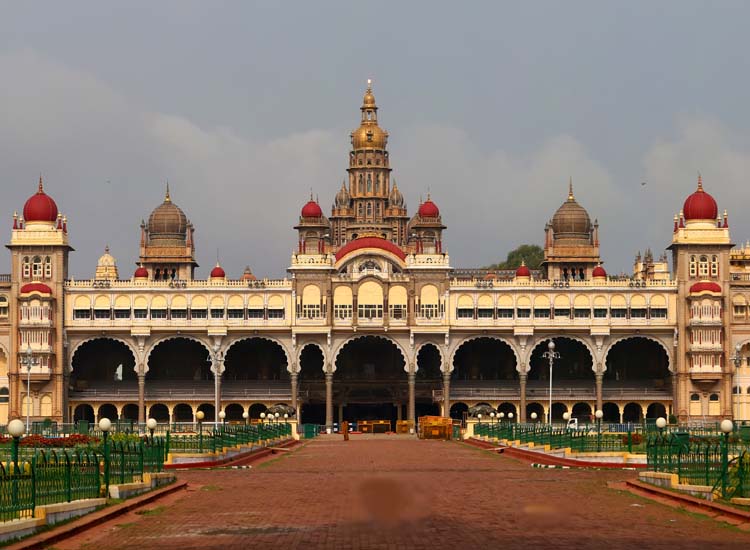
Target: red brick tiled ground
<point>403,493</point>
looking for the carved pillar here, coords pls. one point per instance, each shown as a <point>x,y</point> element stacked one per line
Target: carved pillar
<point>412,407</point>
<point>293,377</point>
<point>446,394</point>
<point>522,401</point>
<point>141,398</point>
<point>329,400</point>
<point>599,382</point>
<point>217,395</point>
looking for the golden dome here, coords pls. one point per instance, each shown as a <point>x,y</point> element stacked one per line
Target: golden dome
<point>369,135</point>
<point>106,259</point>
<point>167,221</point>
<point>571,221</point>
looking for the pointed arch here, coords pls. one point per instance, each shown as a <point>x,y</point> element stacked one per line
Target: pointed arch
<point>197,339</point>
<point>85,341</point>
<point>664,346</point>
<point>530,348</point>
<point>271,339</point>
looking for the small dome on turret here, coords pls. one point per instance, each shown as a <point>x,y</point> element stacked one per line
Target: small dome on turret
<point>167,221</point>
<point>343,199</point>
<point>571,220</point>
<point>40,207</point>
<point>396,198</point>
<point>218,272</point>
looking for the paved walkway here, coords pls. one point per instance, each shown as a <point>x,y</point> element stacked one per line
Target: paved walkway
<point>404,493</point>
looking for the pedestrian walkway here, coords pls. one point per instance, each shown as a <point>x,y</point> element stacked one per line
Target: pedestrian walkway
<point>405,493</point>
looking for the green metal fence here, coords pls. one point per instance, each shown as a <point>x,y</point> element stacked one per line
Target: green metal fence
<point>558,436</point>
<point>227,436</point>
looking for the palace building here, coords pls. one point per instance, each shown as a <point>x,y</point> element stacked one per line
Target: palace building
<point>373,321</point>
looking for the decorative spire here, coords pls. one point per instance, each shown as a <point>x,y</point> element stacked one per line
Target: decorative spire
<point>700,182</point>
<point>41,185</point>
<point>106,249</point>
<point>570,189</point>
<point>167,198</point>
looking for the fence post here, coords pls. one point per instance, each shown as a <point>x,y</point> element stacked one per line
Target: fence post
<point>106,464</point>
<point>69,477</point>
<point>724,464</point>
<point>630,440</point>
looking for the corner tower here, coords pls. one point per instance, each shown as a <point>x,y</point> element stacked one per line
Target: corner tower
<point>39,267</point>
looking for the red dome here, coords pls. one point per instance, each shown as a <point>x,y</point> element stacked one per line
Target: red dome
<point>218,272</point>
<point>523,271</point>
<point>141,273</point>
<point>40,207</point>
<point>370,242</point>
<point>36,287</point>
<point>599,272</point>
<point>429,209</point>
<point>700,205</point>
<point>705,286</point>
<point>312,210</point>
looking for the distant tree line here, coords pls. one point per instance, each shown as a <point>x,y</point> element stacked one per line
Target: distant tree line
<point>531,254</point>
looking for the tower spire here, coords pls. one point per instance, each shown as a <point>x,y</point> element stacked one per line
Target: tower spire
<point>570,189</point>
<point>41,184</point>
<point>167,198</point>
<point>700,182</point>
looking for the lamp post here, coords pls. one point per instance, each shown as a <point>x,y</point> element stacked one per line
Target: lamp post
<point>727,426</point>
<point>28,361</point>
<point>599,414</point>
<point>246,416</point>
<point>151,424</point>
<point>550,355</point>
<point>492,417</point>
<point>222,416</point>
<point>262,432</point>
<point>533,415</point>
<point>15,429</point>
<point>500,416</point>
<point>566,417</point>
<point>737,359</point>
<point>105,424</point>
<point>661,423</point>
<point>199,417</point>
<point>510,417</point>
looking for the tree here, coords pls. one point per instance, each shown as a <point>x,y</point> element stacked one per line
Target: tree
<point>532,254</point>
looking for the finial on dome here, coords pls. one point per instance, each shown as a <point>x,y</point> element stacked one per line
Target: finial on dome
<point>570,189</point>
<point>167,198</point>
<point>369,84</point>
<point>700,182</point>
<point>41,184</point>
<point>106,249</point>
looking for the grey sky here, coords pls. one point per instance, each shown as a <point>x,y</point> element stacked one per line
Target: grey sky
<point>246,106</point>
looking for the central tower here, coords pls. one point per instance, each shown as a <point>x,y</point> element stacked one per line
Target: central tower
<point>369,205</point>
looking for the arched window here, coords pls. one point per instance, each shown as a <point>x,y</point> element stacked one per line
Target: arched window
<point>3,306</point>
<point>369,209</point>
<point>703,267</point>
<point>359,210</point>
<point>377,184</point>
<point>369,183</point>
<point>737,390</point>
<point>695,397</point>
<point>47,267</point>
<point>36,268</point>
<point>693,267</point>
<point>26,268</point>
<point>713,397</point>
<point>4,395</point>
<point>714,266</point>
<point>361,184</point>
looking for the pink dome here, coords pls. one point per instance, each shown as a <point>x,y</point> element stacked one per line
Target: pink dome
<point>523,271</point>
<point>40,207</point>
<point>599,272</point>
<point>312,210</point>
<point>218,272</point>
<point>700,205</point>
<point>141,273</point>
<point>429,209</point>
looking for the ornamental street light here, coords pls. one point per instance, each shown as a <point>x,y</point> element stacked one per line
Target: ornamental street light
<point>737,357</point>
<point>28,361</point>
<point>151,424</point>
<point>15,429</point>
<point>727,426</point>
<point>599,414</point>
<point>533,415</point>
<point>105,424</point>
<point>222,416</point>
<point>246,416</point>
<point>550,355</point>
<point>510,416</point>
<point>492,417</point>
<point>199,416</point>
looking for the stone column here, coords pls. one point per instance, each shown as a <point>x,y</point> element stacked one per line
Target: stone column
<point>141,398</point>
<point>217,395</point>
<point>599,382</point>
<point>412,406</point>
<point>294,377</point>
<point>446,394</point>
<point>329,400</point>
<point>522,401</point>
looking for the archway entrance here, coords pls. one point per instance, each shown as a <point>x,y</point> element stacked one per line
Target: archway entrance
<point>103,364</point>
<point>311,381</point>
<point>638,363</point>
<point>429,378</point>
<point>572,373</point>
<point>370,381</point>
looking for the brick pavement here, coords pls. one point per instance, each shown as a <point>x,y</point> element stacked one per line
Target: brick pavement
<point>404,493</point>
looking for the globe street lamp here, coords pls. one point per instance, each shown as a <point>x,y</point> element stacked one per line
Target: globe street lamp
<point>727,426</point>
<point>550,355</point>
<point>501,416</point>
<point>105,424</point>
<point>599,414</point>
<point>510,416</point>
<point>15,429</point>
<point>246,416</point>
<point>566,417</point>
<point>222,416</point>
<point>533,415</point>
<point>492,417</point>
<point>151,424</point>
<point>199,416</point>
